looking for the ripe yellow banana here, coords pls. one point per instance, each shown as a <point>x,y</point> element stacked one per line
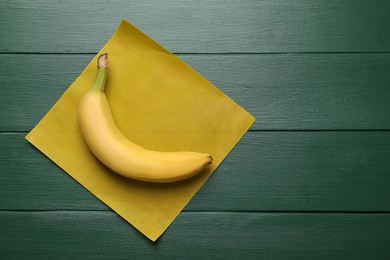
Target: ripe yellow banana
<point>119,154</point>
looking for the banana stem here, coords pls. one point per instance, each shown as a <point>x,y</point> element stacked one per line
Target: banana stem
<point>101,77</point>
<point>100,81</point>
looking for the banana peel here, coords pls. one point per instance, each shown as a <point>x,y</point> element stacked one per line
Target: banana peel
<point>118,153</point>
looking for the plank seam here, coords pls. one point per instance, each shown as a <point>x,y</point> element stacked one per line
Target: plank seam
<point>330,212</point>
<point>255,130</point>
<point>200,53</point>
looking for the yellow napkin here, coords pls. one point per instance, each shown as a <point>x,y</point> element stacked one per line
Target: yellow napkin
<point>158,102</point>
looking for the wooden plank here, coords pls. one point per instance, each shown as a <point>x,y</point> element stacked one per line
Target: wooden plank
<point>267,171</point>
<point>198,26</point>
<point>286,91</point>
<point>104,235</point>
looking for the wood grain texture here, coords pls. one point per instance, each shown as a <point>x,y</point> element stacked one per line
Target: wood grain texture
<point>267,171</point>
<point>216,26</point>
<point>291,189</point>
<point>285,91</point>
<point>209,235</point>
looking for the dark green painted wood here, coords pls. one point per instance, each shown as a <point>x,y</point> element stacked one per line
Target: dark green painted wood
<point>344,172</point>
<point>195,235</point>
<point>199,26</point>
<point>285,91</point>
<point>267,171</point>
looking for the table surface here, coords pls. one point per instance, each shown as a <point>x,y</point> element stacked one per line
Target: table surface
<point>310,180</point>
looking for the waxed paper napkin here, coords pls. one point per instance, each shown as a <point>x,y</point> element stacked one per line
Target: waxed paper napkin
<point>158,102</point>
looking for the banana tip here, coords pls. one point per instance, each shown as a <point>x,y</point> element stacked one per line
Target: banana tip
<point>103,61</point>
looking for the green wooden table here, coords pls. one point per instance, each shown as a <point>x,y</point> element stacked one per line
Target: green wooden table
<point>310,180</point>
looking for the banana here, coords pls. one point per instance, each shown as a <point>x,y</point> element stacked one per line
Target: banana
<point>122,156</point>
